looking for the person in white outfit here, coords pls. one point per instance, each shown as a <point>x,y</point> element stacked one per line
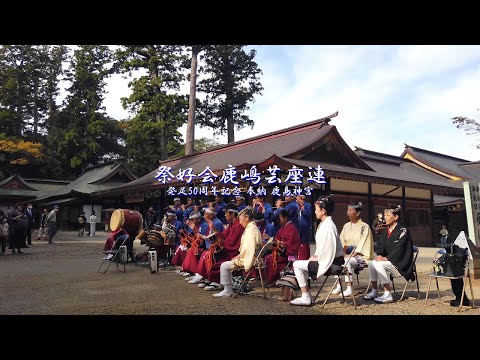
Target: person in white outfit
<point>356,236</point>
<point>329,250</point>
<point>93,223</point>
<point>251,240</point>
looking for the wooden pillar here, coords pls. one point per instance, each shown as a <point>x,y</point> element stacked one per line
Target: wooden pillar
<point>404,206</point>
<point>371,213</point>
<point>431,218</point>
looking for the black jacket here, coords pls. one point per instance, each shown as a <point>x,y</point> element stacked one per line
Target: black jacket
<point>398,249</point>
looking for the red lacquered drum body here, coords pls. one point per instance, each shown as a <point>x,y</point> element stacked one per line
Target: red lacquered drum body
<point>129,220</point>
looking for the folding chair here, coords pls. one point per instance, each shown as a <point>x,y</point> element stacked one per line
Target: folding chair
<point>117,254</point>
<point>339,271</point>
<point>415,255</point>
<point>259,264</point>
<point>465,276</point>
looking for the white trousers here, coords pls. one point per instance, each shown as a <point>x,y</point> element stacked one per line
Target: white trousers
<point>92,229</point>
<point>226,273</point>
<point>379,269</point>
<point>300,268</point>
<point>352,264</point>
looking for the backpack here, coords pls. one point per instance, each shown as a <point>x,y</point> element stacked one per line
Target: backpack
<point>452,263</point>
<point>289,286</point>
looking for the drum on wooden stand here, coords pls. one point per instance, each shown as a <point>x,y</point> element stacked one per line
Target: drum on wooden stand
<point>129,220</point>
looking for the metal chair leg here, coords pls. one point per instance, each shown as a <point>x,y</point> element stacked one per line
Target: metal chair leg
<point>471,289</point>
<point>320,289</point>
<point>438,291</point>
<point>261,281</point>
<point>330,292</point>
<point>428,290</point>
<point>463,295</point>
<point>418,287</point>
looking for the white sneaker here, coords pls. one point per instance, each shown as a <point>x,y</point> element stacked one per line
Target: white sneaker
<point>384,300</point>
<point>371,296</point>
<point>202,285</point>
<point>223,293</point>
<point>191,277</point>
<point>337,290</point>
<point>347,292</point>
<point>179,271</point>
<point>186,273</point>
<point>301,301</point>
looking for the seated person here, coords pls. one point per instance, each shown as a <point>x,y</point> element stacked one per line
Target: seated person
<point>228,241</point>
<point>329,250</point>
<point>356,236</point>
<point>394,255</point>
<point>286,244</point>
<point>251,240</point>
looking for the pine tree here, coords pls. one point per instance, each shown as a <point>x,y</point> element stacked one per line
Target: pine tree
<point>152,134</point>
<point>231,83</point>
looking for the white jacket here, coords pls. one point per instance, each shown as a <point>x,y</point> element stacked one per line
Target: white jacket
<point>328,245</point>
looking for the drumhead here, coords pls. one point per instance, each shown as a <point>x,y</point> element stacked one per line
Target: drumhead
<point>116,220</point>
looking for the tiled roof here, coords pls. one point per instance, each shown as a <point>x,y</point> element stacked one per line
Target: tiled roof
<point>88,182</point>
<point>444,163</point>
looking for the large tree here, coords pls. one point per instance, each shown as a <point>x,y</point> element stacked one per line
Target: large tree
<point>231,82</point>
<point>152,134</point>
<point>17,67</point>
<point>192,100</point>
<point>82,134</point>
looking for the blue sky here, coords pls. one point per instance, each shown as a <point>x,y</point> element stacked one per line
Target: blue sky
<point>385,95</point>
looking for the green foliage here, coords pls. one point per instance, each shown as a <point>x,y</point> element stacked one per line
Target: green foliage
<point>152,134</point>
<point>200,145</point>
<point>29,76</point>
<point>231,83</point>
<point>82,134</point>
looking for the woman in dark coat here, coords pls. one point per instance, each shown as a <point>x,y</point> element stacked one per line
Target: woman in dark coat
<point>394,256</point>
<point>17,229</point>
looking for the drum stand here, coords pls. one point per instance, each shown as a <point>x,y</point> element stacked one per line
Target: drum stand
<point>168,259</point>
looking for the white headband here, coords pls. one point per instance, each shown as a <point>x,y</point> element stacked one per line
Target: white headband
<point>207,210</point>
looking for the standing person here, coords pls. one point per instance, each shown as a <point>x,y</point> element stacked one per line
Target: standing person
<point>329,250</point>
<point>356,236</point>
<point>82,221</point>
<point>150,218</point>
<point>394,254</point>
<point>17,229</point>
<point>93,223</point>
<point>305,220</point>
<point>52,224</point>
<point>31,221</point>
<point>443,235</point>
<point>42,232</point>
<point>3,231</point>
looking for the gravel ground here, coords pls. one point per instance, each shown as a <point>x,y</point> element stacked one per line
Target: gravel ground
<point>62,278</point>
